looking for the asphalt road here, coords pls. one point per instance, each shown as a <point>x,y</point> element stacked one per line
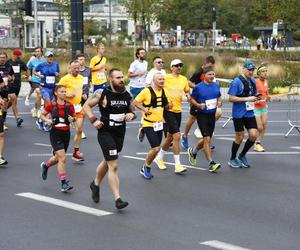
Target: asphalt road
<point>256,208</point>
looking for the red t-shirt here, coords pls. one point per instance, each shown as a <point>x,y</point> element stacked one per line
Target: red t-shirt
<point>61,113</point>
<point>262,88</point>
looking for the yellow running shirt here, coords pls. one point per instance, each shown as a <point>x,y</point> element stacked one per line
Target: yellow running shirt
<point>98,77</point>
<point>73,85</point>
<point>176,87</point>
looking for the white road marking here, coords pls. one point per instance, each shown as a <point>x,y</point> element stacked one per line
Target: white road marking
<point>65,204</point>
<point>167,163</point>
<point>274,153</point>
<point>227,138</point>
<point>42,144</point>
<point>295,147</point>
<point>43,154</point>
<point>222,245</point>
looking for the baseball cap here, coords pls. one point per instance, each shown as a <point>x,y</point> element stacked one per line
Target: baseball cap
<point>175,62</point>
<point>48,53</point>
<point>17,52</point>
<point>249,65</point>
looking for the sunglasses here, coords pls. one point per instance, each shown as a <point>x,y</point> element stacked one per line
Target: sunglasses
<point>251,69</point>
<point>161,62</point>
<point>178,65</point>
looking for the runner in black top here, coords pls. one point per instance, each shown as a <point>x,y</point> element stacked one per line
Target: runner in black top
<point>3,99</point>
<point>115,107</point>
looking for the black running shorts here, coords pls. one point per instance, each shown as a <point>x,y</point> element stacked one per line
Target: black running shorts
<point>173,121</point>
<point>111,142</point>
<point>193,110</point>
<point>154,137</point>
<point>1,124</point>
<point>59,139</point>
<point>14,89</point>
<point>245,122</point>
<point>206,123</point>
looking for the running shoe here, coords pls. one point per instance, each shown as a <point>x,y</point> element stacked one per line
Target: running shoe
<point>46,127</point>
<point>212,147</point>
<point>40,124</point>
<point>77,156</point>
<point>44,169</point>
<point>234,163</point>
<point>145,172</point>
<point>197,133</point>
<point>5,127</point>
<point>141,135</point>
<point>160,164</point>
<point>19,121</point>
<point>95,192</point>
<point>258,147</point>
<point>83,136</point>
<point>192,156</point>
<point>244,161</point>
<point>3,161</point>
<point>65,187</point>
<point>34,113</point>
<point>213,167</point>
<point>27,101</point>
<point>184,142</point>
<point>180,169</point>
<point>120,204</point>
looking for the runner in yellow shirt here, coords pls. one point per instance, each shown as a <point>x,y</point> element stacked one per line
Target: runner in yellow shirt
<point>176,86</point>
<point>74,83</point>
<point>153,101</point>
<point>98,67</point>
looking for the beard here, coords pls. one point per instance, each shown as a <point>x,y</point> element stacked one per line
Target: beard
<point>119,88</point>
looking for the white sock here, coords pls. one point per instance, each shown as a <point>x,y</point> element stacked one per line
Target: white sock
<point>161,154</point>
<point>195,151</point>
<point>177,159</point>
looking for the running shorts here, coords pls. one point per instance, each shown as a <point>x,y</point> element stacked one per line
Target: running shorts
<point>59,139</point>
<point>206,123</point>
<point>173,121</point>
<point>245,122</point>
<point>154,137</point>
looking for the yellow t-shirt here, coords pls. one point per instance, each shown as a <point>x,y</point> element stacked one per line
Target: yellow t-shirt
<point>98,77</point>
<point>157,113</point>
<point>73,85</point>
<point>176,87</point>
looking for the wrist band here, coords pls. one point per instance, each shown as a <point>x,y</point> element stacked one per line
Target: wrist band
<point>93,119</point>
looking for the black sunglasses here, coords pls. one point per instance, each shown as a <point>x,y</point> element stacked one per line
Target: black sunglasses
<point>161,62</point>
<point>178,65</point>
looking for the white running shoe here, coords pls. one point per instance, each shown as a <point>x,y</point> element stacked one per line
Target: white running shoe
<point>27,101</point>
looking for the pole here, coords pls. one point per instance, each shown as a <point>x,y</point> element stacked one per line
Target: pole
<point>35,24</point>
<point>214,19</point>
<point>110,24</point>
<point>77,27</point>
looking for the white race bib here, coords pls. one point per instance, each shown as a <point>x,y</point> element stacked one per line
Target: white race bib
<point>16,69</point>
<point>5,80</point>
<point>77,108</point>
<point>61,120</point>
<point>50,79</point>
<point>116,119</point>
<point>211,104</point>
<point>249,106</point>
<point>100,75</point>
<point>158,126</point>
<point>85,80</point>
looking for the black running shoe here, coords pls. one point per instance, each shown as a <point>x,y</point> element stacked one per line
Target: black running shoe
<point>44,169</point>
<point>19,121</point>
<point>121,204</point>
<point>95,192</point>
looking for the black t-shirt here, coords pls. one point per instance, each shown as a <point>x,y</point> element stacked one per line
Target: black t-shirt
<point>198,76</point>
<point>6,70</point>
<point>17,66</point>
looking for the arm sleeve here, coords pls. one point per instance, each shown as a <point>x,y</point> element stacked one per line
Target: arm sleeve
<point>187,86</point>
<point>234,88</point>
<point>132,67</point>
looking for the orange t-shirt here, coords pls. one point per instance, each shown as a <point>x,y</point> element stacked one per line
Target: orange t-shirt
<point>262,88</point>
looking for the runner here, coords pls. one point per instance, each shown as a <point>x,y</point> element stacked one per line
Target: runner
<point>3,101</point>
<point>74,84</point>
<point>261,107</point>
<point>62,114</point>
<point>98,67</point>
<point>206,97</point>
<point>242,93</point>
<point>47,71</point>
<point>115,107</point>
<point>176,85</point>
<point>35,81</point>
<point>152,101</point>
<point>196,78</point>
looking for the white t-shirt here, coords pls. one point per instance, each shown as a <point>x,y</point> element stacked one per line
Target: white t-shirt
<point>138,66</point>
<point>151,73</point>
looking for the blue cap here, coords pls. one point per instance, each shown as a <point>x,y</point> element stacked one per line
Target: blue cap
<point>48,53</point>
<point>249,65</point>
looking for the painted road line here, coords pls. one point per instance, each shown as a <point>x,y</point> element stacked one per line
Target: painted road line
<point>167,163</point>
<point>295,147</point>
<point>42,144</point>
<point>222,245</point>
<point>43,154</point>
<point>274,153</point>
<point>65,204</point>
<point>227,139</point>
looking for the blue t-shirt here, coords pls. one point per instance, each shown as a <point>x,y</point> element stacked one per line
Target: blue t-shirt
<point>208,94</point>
<point>32,64</point>
<point>239,109</point>
<point>48,71</point>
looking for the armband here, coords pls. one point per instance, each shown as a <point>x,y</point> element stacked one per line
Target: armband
<point>93,119</point>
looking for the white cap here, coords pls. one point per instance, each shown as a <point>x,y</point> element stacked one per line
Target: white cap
<point>175,62</point>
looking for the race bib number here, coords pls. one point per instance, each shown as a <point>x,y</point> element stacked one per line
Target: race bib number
<point>50,79</point>
<point>77,108</point>
<point>16,69</point>
<point>211,104</point>
<point>158,126</point>
<point>5,80</point>
<point>116,119</point>
<point>249,106</point>
<point>85,80</point>
<point>100,75</point>
<point>61,120</point>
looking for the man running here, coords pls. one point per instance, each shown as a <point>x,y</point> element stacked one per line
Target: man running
<point>242,93</point>
<point>176,85</point>
<point>152,101</point>
<point>98,67</point>
<point>206,97</point>
<point>3,101</point>
<point>261,107</point>
<point>115,107</point>
<point>74,83</point>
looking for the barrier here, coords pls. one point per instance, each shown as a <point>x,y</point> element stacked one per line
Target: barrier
<point>293,108</point>
<point>226,105</point>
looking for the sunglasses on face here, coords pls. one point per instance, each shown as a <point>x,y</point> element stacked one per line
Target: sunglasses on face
<point>251,70</point>
<point>161,62</point>
<point>178,65</point>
